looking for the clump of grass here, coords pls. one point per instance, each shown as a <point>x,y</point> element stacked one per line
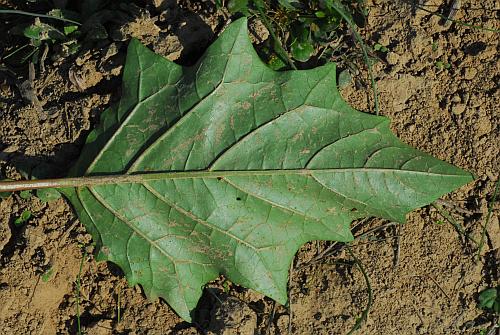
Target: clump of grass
<point>41,32</point>
<point>62,32</point>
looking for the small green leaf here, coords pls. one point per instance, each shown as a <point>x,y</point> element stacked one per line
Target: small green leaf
<point>70,29</point>
<point>25,216</point>
<point>56,13</point>
<point>4,195</point>
<point>25,194</point>
<point>320,14</point>
<point>47,275</point>
<point>489,298</point>
<point>290,4</point>
<point>442,65</point>
<point>48,194</point>
<point>226,285</point>
<point>33,32</point>
<point>276,63</point>
<point>380,47</point>
<point>41,32</point>
<point>302,51</point>
<point>238,6</point>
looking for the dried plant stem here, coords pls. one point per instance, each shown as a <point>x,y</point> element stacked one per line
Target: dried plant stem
<point>20,12</point>
<point>364,315</point>
<point>488,217</point>
<point>445,17</point>
<point>454,223</point>
<point>78,289</point>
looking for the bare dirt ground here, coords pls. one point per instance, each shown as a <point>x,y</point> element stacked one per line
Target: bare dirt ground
<point>425,278</point>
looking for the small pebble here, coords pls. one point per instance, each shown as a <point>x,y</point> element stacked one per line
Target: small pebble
<point>458,109</point>
<point>392,58</point>
<point>456,98</point>
<point>469,73</point>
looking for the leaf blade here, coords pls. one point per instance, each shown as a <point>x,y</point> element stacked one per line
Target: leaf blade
<point>248,164</point>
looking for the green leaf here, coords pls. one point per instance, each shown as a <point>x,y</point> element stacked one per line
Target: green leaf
<point>41,31</point>
<point>4,195</point>
<point>380,47</point>
<point>33,32</point>
<point>25,194</point>
<point>47,275</point>
<point>229,167</point>
<point>489,298</point>
<point>320,14</point>
<point>48,194</point>
<point>276,63</point>
<point>238,6</point>
<point>290,4</point>
<point>70,29</point>
<point>302,50</point>
<point>25,216</point>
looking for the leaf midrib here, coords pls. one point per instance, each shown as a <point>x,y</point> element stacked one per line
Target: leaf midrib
<point>13,186</point>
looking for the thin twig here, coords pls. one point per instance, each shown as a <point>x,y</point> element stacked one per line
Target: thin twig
<point>364,315</point>
<point>290,312</point>
<point>488,217</point>
<point>373,241</point>
<point>118,307</point>
<point>397,254</point>
<point>78,288</point>
<point>375,229</point>
<point>453,222</point>
<point>66,233</point>
<point>20,12</point>
<point>457,209</point>
<point>436,283</point>
<point>457,21</point>
<point>418,313</point>
<point>271,318</point>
